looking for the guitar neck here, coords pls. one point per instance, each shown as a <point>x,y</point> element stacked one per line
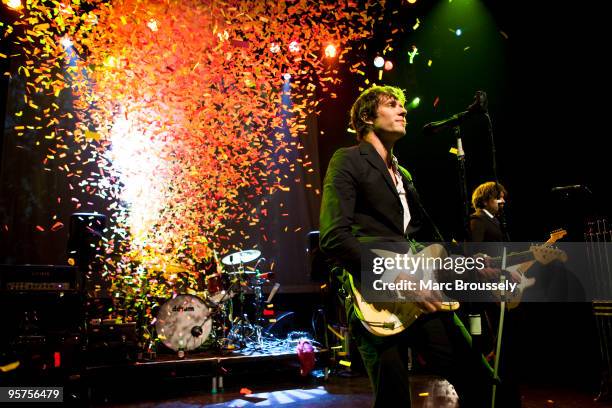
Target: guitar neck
<point>513,259</point>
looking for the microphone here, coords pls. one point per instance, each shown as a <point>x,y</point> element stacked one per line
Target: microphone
<point>479,105</point>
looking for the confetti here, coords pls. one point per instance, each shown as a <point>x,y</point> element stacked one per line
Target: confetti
<point>177,106</point>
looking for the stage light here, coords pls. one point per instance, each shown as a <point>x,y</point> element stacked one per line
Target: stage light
<point>294,46</point>
<point>13,4</point>
<point>388,65</point>
<point>66,42</point>
<point>287,76</point>
<point>152,24</point>
<point>458,32</point>
<point>412,1</point>
<point>379,62</point>
<point>415,102</point>
<point>330,51</point>
<point>274,48</point>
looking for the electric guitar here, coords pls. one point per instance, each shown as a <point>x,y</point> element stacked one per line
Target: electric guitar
<point>513,299</point>
<point>389,318</point>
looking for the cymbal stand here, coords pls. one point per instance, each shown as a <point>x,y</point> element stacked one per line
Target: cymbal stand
<point>238,331</point>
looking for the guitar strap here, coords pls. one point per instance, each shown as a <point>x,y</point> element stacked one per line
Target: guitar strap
<point>437,235</point>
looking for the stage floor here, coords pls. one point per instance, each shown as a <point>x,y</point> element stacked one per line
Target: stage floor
<point>353,392</point>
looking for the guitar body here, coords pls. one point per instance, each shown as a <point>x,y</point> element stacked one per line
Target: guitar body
<point>389,318</point>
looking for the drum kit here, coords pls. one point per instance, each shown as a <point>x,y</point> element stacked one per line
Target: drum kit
<point>187,321</point>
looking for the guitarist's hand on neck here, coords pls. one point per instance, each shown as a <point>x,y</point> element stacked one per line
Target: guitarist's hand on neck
<point>493,274</point>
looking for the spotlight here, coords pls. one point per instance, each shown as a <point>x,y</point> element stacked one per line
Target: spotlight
<point>379,62</point>
<point>330,51</point>
<point>274,48</point>
<point>458,32</point>
<point>412,1</point>
<point>287,76</point>
<point>294,46</point>
<point>415,102</point>
<point>13,4</point>
<point>388,65</point>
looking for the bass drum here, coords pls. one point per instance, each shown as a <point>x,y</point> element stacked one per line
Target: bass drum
<point>184,322</point>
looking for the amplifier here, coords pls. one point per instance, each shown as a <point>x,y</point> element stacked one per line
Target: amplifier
<point>39,278</point>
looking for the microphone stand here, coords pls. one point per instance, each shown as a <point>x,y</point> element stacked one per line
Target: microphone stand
<point>462,181</point>
<point>502,214</point>
<point>504,227</point>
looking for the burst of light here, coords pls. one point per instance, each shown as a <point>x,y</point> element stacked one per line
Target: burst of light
<point>388,65</point>
<point>412,1</point>
<point>135,162</point>
<point>458,32</point>
<point>330,51</point>
<point>294,46</point>
<point>66,42</point>
<point>274,48</point>
<point>287,76</point>
<point>379,62</point>
<point>415,102</point>
<point>13,4</point>
<point>152,24</point>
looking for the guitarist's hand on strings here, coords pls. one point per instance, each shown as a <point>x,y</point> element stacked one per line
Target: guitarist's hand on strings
<point>493,274</point>
<point>428,301</point>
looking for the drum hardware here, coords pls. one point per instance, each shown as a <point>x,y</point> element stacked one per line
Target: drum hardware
<point>186,321</point>
<point>241,257</point>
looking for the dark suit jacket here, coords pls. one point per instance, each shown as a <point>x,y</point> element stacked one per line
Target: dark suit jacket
<point>361,204</point>
<point>484,228</point>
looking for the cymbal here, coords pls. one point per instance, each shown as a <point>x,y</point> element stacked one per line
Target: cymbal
<point>241,257</point>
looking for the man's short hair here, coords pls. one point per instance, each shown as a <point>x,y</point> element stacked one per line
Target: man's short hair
<point>366,106</point>
<point>485,192</point>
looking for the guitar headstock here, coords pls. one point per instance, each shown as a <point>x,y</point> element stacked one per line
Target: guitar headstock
<point>557,235</point>
<point>546,255</point>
